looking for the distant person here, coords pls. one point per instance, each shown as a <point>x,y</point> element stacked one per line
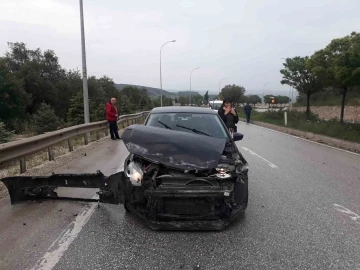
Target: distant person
<point>247,110</point>
<point>112,117</point>
<point>229,115</point>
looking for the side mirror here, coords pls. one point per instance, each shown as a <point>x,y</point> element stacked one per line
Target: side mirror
<point>237,136</point>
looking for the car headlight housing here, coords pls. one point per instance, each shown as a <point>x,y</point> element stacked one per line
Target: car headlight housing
<point>134,173</point>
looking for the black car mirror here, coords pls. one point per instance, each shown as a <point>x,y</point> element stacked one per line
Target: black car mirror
<point>237,136</point>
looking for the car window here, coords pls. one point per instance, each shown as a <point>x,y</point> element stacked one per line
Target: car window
<point>215,106</point>
<point>205,124</point>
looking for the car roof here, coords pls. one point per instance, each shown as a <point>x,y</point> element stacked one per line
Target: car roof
<point>215,101</point>
<point>182,109</point>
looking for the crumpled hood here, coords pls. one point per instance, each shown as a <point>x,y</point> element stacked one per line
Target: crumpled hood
<point>177,149</point>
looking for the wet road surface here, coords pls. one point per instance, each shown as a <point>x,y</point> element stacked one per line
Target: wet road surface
<point>303,213</point>
<point>27,230</point>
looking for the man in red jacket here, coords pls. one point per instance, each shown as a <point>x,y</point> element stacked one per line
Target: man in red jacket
<point>112,116</point>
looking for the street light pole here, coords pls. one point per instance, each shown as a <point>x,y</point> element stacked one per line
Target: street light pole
<point>190,85</point>
<point>160,68</point>
<point>220,83</point>
<point>264,92</point>
<point>84,72</point>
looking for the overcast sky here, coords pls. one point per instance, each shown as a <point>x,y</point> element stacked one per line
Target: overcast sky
<point>242,40</point>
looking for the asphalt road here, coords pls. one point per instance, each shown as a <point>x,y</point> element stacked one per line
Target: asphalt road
<point>28,230</point>
<point>303,213</point>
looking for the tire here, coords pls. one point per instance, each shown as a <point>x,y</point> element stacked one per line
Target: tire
<point>246,198</point>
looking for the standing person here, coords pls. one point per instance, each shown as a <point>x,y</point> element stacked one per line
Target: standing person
<point>247,110</point>
<point>229,115</point>
<point>112,116</point>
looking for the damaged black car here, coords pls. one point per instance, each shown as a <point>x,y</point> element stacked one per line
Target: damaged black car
<point>183,172</point>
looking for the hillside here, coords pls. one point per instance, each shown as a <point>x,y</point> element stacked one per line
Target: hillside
<point>152,92</point>
<point>156,92</point>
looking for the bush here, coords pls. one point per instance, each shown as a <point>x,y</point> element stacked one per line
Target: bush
<point>46,120</point>
<point>5,136</point>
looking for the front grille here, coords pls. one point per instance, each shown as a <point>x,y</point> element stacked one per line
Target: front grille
<point>186,206</point>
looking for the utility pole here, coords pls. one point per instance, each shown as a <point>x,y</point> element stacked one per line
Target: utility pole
<point>84,72</point>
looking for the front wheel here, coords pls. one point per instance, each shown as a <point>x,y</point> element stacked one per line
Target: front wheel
<point>246,197</point>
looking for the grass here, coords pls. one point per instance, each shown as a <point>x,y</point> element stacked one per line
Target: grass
<point>297,120</point>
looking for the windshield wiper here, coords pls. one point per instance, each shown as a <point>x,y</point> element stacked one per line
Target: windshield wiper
<point>194,130</point>
<point>165,125</point>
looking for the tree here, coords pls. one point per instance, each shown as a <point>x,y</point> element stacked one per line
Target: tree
<point>30,77</point>
<point>282,100</point>
<point>268,99</point>
<point>339,65</point>
<point>297,75</point>
<point>183,100</point>
<point>13,98</point>
<point>45,119</point>
<point>75,115</point>
<point>197,99</point>
<point>39,71</point>
<point>253,99</point>
<point>5,136</point>
<point>125,105</point>
<point>206,97</point>
<point>233,92</point>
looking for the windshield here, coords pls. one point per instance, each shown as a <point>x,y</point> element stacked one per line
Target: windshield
<point>203,124</point>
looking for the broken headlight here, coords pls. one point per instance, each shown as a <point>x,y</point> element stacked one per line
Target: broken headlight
<point>134,173</point>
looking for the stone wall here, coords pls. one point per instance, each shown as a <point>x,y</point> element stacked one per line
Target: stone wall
<point>351,113</point>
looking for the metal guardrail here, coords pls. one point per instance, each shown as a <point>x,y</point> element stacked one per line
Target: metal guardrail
<point>19,150</point>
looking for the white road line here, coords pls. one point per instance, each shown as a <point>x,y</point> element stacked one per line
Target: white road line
<point>352,215</point>
<point>329,146</point>
<point>272,165</point>
<point>62,243</point>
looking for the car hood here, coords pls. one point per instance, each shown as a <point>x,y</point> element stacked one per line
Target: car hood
<point>177,149</point>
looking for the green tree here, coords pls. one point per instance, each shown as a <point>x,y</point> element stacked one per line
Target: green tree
<point>253,99</point>
<point>282,99</point>
<point>39,71</point>
<point>75,115</point>
<point>233,92</point>
<point>183,100</point>
<point>45,119</point>
<point>5,135</point>
<point>339,65</point>
<point>206,97</point>
<point>297,75</point>
<point>13,98</point>
<point>125,105</point>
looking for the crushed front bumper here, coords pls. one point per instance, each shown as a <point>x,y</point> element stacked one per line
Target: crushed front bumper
<point>188,208</point>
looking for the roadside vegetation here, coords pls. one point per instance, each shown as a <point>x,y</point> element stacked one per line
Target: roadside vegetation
<point>38,95</point>
<point>331,75</point>
<point>308,123</point>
